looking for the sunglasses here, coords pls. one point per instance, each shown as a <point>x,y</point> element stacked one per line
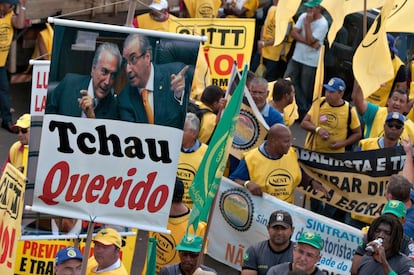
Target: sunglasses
<point>397,125</point>
<point>22,130</point>
<point>190,254</point>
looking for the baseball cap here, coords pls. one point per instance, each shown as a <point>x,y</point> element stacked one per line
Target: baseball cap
<point>335,84</point>
<point>108,236</point>
<point>395,116</point>
<point>68,253</point>
<point>23,121</point>
<point>312,3</point>
<point>281,218</point>
<point>312,239</point>
<point>190,243</point>
<point>395,207</point>
<point>391,43</point>
<point>159,5</point>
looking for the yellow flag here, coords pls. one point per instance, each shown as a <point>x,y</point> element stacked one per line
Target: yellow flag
<point>401,18</point>
<point>317,88</point>
<point>286,9</point>
<point>338,9</point>
<point>372,64</point>
<point>317,93</point>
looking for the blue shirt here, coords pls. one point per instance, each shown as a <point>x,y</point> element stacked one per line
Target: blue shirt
<point>271,115</point>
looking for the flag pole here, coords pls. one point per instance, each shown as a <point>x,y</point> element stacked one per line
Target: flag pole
<point>131,12</point>
<point>364,20</point>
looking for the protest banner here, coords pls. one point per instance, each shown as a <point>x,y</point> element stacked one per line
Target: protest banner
<point>37,257</point>
<point>356,181</point>
<point>88,169</point>
<point>242,219</point>
<point>96,165</point>
<point>12,185</point>
<point>228,40</point>
<point>40,79</point>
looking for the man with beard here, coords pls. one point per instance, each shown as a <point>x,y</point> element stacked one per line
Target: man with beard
<point>277,249</point>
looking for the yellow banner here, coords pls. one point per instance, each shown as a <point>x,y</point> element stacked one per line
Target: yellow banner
<point>356,181</point>
<point>37,257</point>
<point>372,64</point>
<point>12,185</point>
<point>228,40</point>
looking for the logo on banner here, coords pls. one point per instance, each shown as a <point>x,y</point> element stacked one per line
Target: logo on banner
<point>165,248</point>
<point>279,178</point>
<point>236,206</point>
<point>247,131</point>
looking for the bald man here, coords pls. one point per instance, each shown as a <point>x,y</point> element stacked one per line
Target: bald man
<point>264,168</point>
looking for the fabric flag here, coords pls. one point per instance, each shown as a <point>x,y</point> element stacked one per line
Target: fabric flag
<point>338,9</point>
<point>207,179</point>
<point>399,18</point>
<point>151,257</point>
<point>317,93</point>
<point>372,64</point>
<point>286,9</point>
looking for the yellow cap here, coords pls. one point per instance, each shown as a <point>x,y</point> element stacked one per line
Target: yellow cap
<point>23,121</point>
<point>108,236</point>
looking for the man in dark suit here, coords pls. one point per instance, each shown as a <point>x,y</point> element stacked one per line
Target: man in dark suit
<point>89,96</point>
<point>166,85</point>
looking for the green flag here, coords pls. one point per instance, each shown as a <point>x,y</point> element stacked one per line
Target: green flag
<point>151,257</point>
<point>207,179</point>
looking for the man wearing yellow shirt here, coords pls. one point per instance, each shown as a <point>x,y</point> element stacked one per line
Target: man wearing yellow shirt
<point>156,19</point>
<point>192,152</point>
<point>8,21</point>
<point>19,150</point>
<point>106,254</point>
<point>374,116</point>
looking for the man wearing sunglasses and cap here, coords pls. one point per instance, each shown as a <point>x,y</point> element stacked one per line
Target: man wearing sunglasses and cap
<point>20,148</point>
<point>393,128</point>
<point>8,21</point>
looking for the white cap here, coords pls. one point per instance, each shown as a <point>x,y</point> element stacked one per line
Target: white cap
<point>159,5</point>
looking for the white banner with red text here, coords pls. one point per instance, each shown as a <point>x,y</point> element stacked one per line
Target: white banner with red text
<point>107,171</point>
